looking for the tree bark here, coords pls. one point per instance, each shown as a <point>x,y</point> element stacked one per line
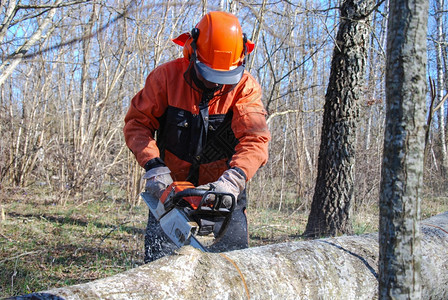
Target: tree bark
<point>333,268</point>
<point>402,168</point>
<point>334,190</point>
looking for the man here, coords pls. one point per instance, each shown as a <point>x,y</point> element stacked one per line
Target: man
<point>200,119</point>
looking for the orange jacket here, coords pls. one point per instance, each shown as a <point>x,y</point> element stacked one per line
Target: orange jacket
<point>228,131</point>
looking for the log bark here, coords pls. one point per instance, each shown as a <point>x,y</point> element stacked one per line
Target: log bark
<point>344,267</point>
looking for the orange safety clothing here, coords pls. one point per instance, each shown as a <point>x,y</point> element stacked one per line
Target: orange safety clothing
<point>211,132</point>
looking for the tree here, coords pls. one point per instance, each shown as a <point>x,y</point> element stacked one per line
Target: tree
<point>402,172</point>
<point>439,42</point>
<point>32,12</point>
<point>334,190</point>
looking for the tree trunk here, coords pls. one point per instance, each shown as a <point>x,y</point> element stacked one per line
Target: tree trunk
<point>333,268</point>
<point>334,190</point>
<point>402,170</point>
<point>441,85</point>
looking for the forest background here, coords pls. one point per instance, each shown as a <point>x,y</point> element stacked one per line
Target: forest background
<point>69,187</point>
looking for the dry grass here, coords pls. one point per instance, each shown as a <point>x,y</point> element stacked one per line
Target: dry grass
<point>45,244</point>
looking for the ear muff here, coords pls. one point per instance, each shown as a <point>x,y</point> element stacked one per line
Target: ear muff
<point>248,45</point>
<point>185,40</point>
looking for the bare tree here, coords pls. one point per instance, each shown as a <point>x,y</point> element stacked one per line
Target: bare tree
<point>439,45</point>
<point>43,14</point>
<point>371,119</point>
<point>334,190</point>
<point>402,173</point>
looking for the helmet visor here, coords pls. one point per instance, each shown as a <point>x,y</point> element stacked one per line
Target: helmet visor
<point>220,77</point>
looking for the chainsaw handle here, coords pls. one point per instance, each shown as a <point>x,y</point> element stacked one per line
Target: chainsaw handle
<point>218,199</point>
<point>189,193</point>
<point>192,192</point>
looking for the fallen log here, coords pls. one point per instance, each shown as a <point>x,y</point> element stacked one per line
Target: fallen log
<point>334,268</point>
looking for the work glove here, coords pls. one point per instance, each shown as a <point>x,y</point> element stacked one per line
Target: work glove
<point>231,181</point>
<point>157,180</point>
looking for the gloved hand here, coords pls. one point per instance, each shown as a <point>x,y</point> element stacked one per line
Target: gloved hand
<point>231,181</point>
<point>157,180</point>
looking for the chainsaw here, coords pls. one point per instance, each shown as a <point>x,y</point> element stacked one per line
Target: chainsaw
<point>191,216</point>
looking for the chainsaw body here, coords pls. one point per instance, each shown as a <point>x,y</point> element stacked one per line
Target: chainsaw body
<point>190,216</point>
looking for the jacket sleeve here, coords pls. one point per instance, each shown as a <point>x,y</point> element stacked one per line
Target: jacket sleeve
<point>141,119</point>
<point>250,128</point>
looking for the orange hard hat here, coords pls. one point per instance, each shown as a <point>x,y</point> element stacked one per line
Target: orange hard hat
<point>218,46</point>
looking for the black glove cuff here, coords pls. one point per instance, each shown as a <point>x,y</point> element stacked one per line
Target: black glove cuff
<point>154,163</point>
<point>241,172</point>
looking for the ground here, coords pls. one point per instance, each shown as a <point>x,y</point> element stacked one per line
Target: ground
<point>46,242</point>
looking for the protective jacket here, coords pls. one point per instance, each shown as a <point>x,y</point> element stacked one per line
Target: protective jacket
<point>198,133</point>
